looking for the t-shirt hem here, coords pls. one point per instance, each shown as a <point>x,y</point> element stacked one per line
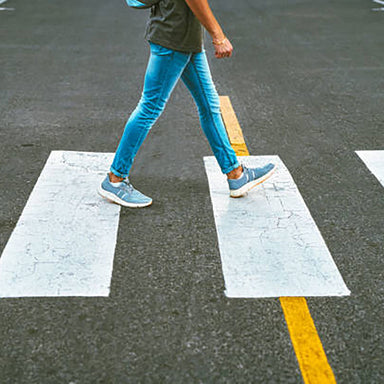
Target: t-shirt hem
<point>176,48</point>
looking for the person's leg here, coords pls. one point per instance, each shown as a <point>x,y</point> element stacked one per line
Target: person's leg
<point>164,69</point>
<point>197,78</point>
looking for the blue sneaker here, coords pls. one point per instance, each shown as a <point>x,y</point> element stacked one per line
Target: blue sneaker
<point>123,193</point>
<point>250,178</point>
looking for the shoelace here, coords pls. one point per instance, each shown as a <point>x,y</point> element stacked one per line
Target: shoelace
<point>128,184</point>
<point>245,170</point>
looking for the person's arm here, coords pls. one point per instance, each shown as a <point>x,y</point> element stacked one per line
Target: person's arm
<point>204,14</point>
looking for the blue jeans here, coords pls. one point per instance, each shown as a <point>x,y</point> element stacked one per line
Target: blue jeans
<point>164,69</point>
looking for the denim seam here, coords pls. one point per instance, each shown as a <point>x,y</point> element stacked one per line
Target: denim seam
<point>210,112</point>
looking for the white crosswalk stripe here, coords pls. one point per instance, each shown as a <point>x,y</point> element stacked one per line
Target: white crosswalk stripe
<point>269,244</point>
<point>374,160</point>
<point>64,241</point>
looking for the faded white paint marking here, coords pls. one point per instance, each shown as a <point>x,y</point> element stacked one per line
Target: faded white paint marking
<point>374,160</point>
<point>64,241</point>
<point>379,1</point>
<point>269,244</point>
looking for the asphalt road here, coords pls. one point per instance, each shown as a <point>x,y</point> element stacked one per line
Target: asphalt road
<point>306,81</point>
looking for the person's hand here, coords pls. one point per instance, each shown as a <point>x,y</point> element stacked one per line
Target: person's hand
<point>223,50</point>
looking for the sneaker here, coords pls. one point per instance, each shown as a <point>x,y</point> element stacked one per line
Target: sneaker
<point>123,193</point>
<point>250,178</point>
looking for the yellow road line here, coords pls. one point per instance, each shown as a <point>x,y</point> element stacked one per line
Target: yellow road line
<point>309,351</point>
<point>234,131</point>
<point>306,342</point>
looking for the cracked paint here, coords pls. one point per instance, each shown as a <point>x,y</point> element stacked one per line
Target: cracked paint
<point>64,241</point>
<point>269,243</point>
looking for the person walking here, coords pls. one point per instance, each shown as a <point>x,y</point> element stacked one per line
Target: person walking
<point>175,35</point>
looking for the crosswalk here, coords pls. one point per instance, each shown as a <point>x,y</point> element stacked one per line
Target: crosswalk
<point>64,241</point>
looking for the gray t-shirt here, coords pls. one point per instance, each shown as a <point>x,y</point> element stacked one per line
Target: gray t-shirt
<point>173,25</point>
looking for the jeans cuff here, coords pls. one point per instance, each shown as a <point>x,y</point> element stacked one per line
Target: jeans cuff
<point>117,173</point>
<point>231,168</point>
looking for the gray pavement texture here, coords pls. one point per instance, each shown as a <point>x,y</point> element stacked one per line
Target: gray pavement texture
<point>306,80</point>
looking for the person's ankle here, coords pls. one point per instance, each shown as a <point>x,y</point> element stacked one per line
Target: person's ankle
<point>114,179</point>
<point>235,173</point>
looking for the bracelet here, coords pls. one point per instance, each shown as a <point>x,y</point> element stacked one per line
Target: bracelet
<point>221,42</point>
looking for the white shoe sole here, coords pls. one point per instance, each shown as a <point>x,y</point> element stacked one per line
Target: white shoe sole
<point>115,199</point>
<point>247,187</point>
